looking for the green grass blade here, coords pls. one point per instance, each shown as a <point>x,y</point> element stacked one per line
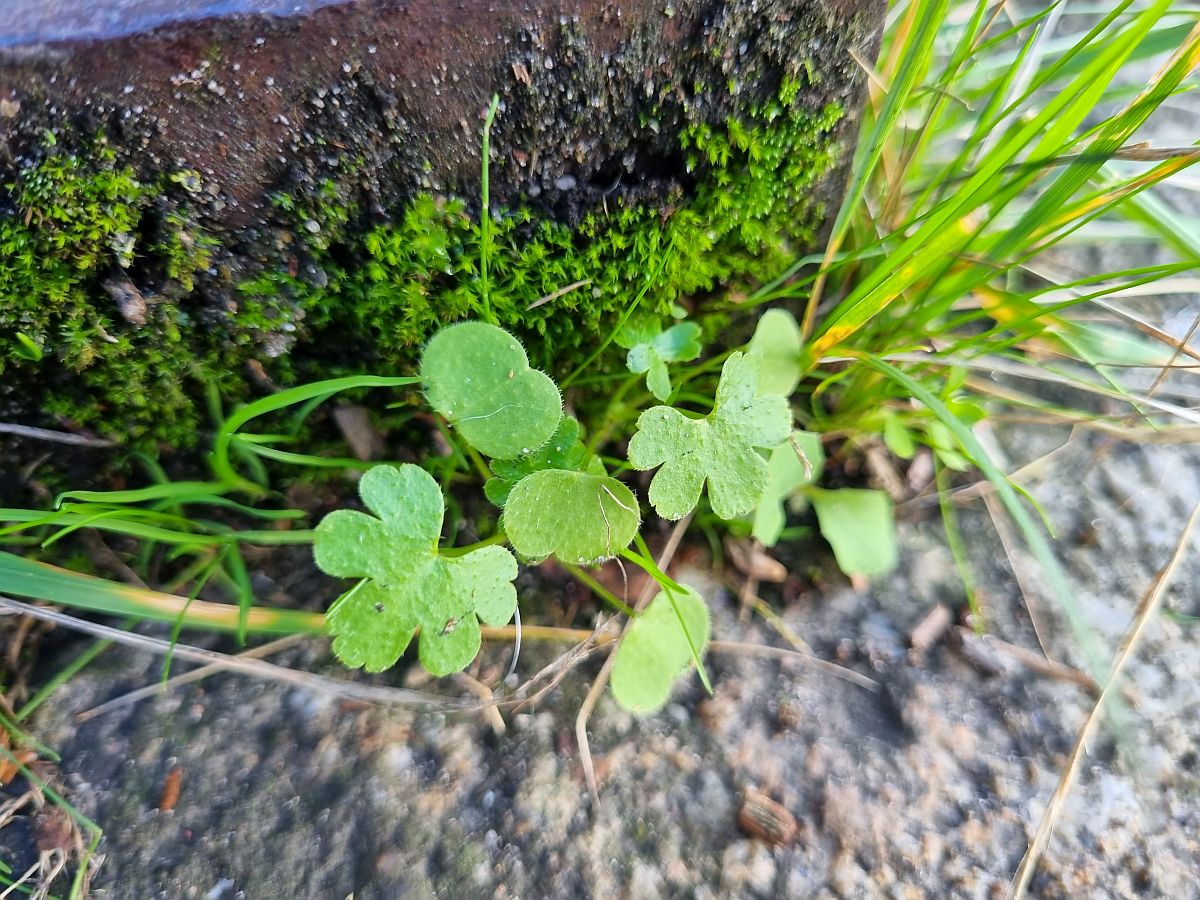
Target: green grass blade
<point>219,457</point>
<point>1033,535</point>
<point>40,581</point>
<point>916,55</point>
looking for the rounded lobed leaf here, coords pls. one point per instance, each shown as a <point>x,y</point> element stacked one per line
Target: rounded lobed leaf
<point>409,585</point>
<point>794,464</point>
<point>370,630</point>
<point>651,348</point>
<point>564,450</point>
<point>776,347</point>
<point>394,548</point>
<point>859,526</point>
<point>656,650</point>
<point>478,377</point>
<point>451,647</point>
<point>579,517</point>
<point>406,494</point>
<point>718,450</point>
<point>482,581</point>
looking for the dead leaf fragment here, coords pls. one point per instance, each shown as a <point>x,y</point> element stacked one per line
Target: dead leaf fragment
<point>354,422</point>
<point>53,830</point>
<point>752,560</point>
<point>766,819</point>
<point>170,791</point>
<point>129,300</point>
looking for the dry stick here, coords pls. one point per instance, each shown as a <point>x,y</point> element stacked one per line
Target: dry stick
<point>1149,604</point>
<point>559,293</point>
<point>746,596</point>
<point>1035,662</point>
<point>255,667</point>
<point>517,700</point>
<point>563,666</point>
<point>1132,434</point>
<point>58,437</point>
<point>593,695</point>
<point>773,619</point>
<point>161,687</point>
<point>1022,476</point>
<point>802,651</point>
<point>483,692</point>
<point>1178,350</point>
<point>745,649</point>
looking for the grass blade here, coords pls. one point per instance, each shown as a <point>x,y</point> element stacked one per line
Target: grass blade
<point>51,584</point>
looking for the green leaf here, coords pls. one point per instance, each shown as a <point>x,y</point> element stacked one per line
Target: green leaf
<point>656,650</point>
<point>409,586</point>
<point>792,465</point>
<point>1101,346</point>
<point>29,349</point>
<point>858,524</point>
<point>776,346</point>
<point>478,377</point>
<point>717,450</point>
<point>942,442</point>
<point>580,517</point>
<point>564,450</point>
<point>650,349</point>
<point>898,438</point>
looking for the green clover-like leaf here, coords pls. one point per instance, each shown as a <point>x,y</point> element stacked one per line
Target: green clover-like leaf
<point>859,526</point>
<point>564,450</point>
<point>718,449</point>
<point>478,377</point>
<point>650,349</point>
<point>776,345</point>
<point>579,517</point>
<point>656,650</point>
<point>898,438</point>
<point>792,465</point>
<point>409,586</point>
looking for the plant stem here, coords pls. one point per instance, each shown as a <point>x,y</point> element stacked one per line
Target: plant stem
<point>485,214</point>
<point>599,590</point>
<point>498,538</point>
<point>625,316</point>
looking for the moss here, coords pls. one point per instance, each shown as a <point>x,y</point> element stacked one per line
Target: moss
<point>749,214</point>
<point>63,222</point>
<point>77,336</point>
<point>350,294</point>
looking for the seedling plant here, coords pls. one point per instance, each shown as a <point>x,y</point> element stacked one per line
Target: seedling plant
<point>987,141</point>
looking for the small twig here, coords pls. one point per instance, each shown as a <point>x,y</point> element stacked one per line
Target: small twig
<point>57,437</point>
<point>560,292</point>
<point>554,673</point>
<point>746,597</point>
<point>161,687</point>
<point>1036,662</point>
<point>1149,604</point>
<point>103,554</point>
<point>1028,592</point>
<point>593,695</point>
<point>933,625</point>
<point>245,666</point>
<point>483,692</point>
<point>781,627</point>
<point>745,649</point>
